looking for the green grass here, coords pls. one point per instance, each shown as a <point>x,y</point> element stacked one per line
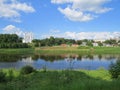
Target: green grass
<point>107,50</point>
<point>78,50</point>
<point>17,51</point>
<point>63,50</point>
<point>63,80</point>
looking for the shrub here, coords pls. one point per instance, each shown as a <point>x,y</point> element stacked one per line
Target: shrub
<point>27,70</point>
<point>44,68</point>
<point>66,77</point>
<point>115,69</point>
<point>10,74</point>
<point>2,76</point>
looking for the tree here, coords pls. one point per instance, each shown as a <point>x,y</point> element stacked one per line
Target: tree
<point>11,41</point>
<point>89,43</point>
<point>115,69</point>
<point>79,42</point>
<point>100,44</point>
<point>111,41</point>
<point>52,41</point>
<point>36,42</point>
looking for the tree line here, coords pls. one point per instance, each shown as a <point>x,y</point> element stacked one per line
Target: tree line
<point>14,41</point>
<point>58,41</point>
<point>52,42</point>
<point>11,41</point>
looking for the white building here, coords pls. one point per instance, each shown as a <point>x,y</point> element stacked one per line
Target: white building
<point>99,40</point>
<point>83,44</point>
<point>27,37</point>
<point>95,44</point>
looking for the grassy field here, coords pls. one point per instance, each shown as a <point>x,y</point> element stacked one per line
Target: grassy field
<point>17,51</point>
<point>63,50</point>
<point>78,50</point>
<point>62,80</point>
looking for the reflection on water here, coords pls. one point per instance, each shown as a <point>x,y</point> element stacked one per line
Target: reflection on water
<point>89,62</point>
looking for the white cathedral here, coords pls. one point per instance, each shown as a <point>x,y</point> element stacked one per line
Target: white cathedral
<point>27,37</point>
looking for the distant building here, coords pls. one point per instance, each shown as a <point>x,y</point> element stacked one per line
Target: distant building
<point>27,37</point>
<point>95,44</point>
<point>99,40</point>
<point>64,45</point>
<point>107,45</point>
<point>117,39</point>
<point>83,44</point>
<point>75,45</point>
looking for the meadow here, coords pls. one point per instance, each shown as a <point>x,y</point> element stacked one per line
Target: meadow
<point>61,80</point>
<point>56,50</point>
<point>17,51</point>
<point>78,50</point>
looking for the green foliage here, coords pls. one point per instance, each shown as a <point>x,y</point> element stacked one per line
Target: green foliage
<point>100,44</point>
<point>14,54</point>
<point>10,74</point>
<point>66,77</point>
<point>89,43</point>
<point>44,68</point>
<point>26,70</point>
<point>52,42</point>
<point>58,41</point>
<point>10,38</point>
<point>115,69</point>
<point>14,45</point>
<point>111,41</point>
<point>11,41</point>
<point>2,76</point>
<point>79,42</point>
<point>63,80</point>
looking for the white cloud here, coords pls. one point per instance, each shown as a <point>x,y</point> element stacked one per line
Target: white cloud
<point>75,15</point>
<point>11,29</point>
<point>12,8</point>
<point>82,10</point>
<point>86,35</point>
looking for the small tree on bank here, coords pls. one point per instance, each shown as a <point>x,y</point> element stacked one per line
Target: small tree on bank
<point>115,69</point>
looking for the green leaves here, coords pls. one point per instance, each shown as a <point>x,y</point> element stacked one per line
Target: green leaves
<point>115,69</point>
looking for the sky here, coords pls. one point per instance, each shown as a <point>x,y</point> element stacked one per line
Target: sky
<point>76,19</point>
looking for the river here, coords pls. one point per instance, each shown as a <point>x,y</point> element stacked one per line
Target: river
<point>59,62</point>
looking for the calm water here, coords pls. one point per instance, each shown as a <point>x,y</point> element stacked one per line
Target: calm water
<point>89,62</point>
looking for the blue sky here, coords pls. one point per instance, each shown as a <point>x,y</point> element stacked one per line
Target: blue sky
<point>61,18</point>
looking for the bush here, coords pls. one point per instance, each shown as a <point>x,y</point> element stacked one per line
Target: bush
<point>115,69</point>
<point>10,74</point>
<point>2,76</point>
<point>27,70</point>
<point>66,77</point>
<point>44,68</point>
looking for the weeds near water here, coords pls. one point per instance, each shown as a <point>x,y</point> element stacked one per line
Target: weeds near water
<point>115,69</point>
<point>66,77</point>
<point>10,74</point>
<point>2,76</point>
<point>59,80</point>
<point>27,70</point>
<point>44,68</point>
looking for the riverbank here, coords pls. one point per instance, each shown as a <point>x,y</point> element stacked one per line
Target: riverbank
<point>18,51</point>
<point>62,80</point>
<point>78,50</point>
<point>63,50</point>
